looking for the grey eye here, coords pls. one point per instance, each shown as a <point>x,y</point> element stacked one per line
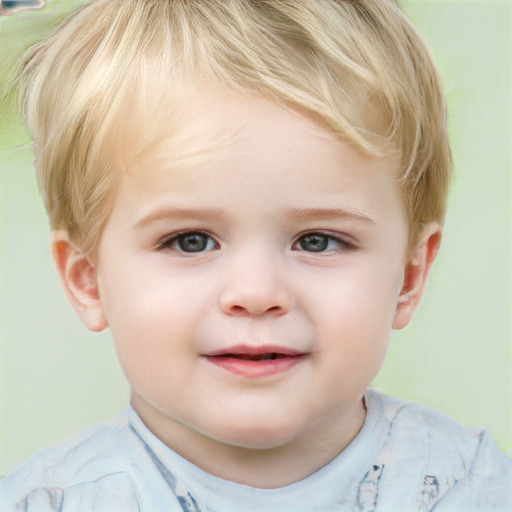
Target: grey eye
<point>192,242</point>
<point>314,243</point>
<point>322,242</point>
<point>187,243</point>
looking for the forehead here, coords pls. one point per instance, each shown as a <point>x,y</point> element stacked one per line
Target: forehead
<point>225,146</point>
<point>201,122</point>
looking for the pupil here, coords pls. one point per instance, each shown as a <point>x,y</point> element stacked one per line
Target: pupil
<point>193,242</point>
<point>314,243</point>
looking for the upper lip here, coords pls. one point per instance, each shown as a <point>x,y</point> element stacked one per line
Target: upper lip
<point>255,350</point>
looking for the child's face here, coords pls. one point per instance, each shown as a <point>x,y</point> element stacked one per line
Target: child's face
<point>250,275</point>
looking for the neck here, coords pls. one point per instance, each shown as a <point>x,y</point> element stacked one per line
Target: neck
<point>263,468</point>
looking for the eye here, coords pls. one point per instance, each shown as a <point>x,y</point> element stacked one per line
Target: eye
<point>189,242</point>
<point>320,242</point>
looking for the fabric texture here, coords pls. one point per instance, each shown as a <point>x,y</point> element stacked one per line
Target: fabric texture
<point>406,458</point>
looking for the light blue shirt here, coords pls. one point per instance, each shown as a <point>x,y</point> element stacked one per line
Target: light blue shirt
<point>406,458</point>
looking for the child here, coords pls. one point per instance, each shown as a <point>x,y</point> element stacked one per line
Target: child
<point>250,194</point>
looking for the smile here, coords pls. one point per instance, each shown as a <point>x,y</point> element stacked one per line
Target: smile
<point>256,362</point>
<point>257,357</point>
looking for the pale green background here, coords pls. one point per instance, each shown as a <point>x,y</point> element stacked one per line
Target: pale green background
<point>456,356</point>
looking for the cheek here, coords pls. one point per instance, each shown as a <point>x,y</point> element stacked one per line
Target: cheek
<point>360,297</point>
<point>153,321</point>
<point>150,295</point>
<point>353,317</point>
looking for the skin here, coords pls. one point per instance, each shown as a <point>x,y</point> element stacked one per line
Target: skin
<point>252,180</point>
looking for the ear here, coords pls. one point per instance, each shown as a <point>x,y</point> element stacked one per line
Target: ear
<point>78,277</point>
<point>415,275</point>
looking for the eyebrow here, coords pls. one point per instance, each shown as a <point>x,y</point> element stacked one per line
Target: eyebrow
<point>166,212</point>
<point>287,215</point>
<point>305,214</point>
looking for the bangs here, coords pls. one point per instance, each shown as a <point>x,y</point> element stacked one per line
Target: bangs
<point>116,72</point>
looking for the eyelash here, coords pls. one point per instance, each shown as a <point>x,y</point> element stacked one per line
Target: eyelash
<point>342,243</point>
<point>169,242</point>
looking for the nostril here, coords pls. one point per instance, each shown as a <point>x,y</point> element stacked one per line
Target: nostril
<point>238,310</point>
<point>253,300</point>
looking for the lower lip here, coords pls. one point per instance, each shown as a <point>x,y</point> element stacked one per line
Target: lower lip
<point>256,369</point>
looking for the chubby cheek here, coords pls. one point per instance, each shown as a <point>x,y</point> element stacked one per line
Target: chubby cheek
<point>152,324</point>
<point>355,349</point>
<point>353,321</point>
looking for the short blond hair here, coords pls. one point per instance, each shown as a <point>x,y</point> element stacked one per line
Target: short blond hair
<point>359,65</point>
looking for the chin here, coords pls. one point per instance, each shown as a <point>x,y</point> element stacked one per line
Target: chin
<point>259,436</point>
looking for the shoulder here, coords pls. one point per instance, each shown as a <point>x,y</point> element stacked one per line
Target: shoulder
<point>97,456</point>
<point>420,430</point>
<point>78,453</point>
<point>456,463</point>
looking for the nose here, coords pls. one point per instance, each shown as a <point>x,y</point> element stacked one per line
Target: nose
<point>256,286</point>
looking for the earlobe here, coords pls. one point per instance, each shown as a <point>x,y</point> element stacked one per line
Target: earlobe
<point>415,275</point>
<point>78,278</point>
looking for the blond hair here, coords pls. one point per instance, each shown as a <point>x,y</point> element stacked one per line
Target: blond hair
<point>358,64</point>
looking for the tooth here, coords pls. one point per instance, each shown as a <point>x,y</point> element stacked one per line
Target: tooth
<point>257,357</point>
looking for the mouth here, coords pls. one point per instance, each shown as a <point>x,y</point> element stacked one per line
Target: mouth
<point>256,362</point>
<point>270,356</point>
